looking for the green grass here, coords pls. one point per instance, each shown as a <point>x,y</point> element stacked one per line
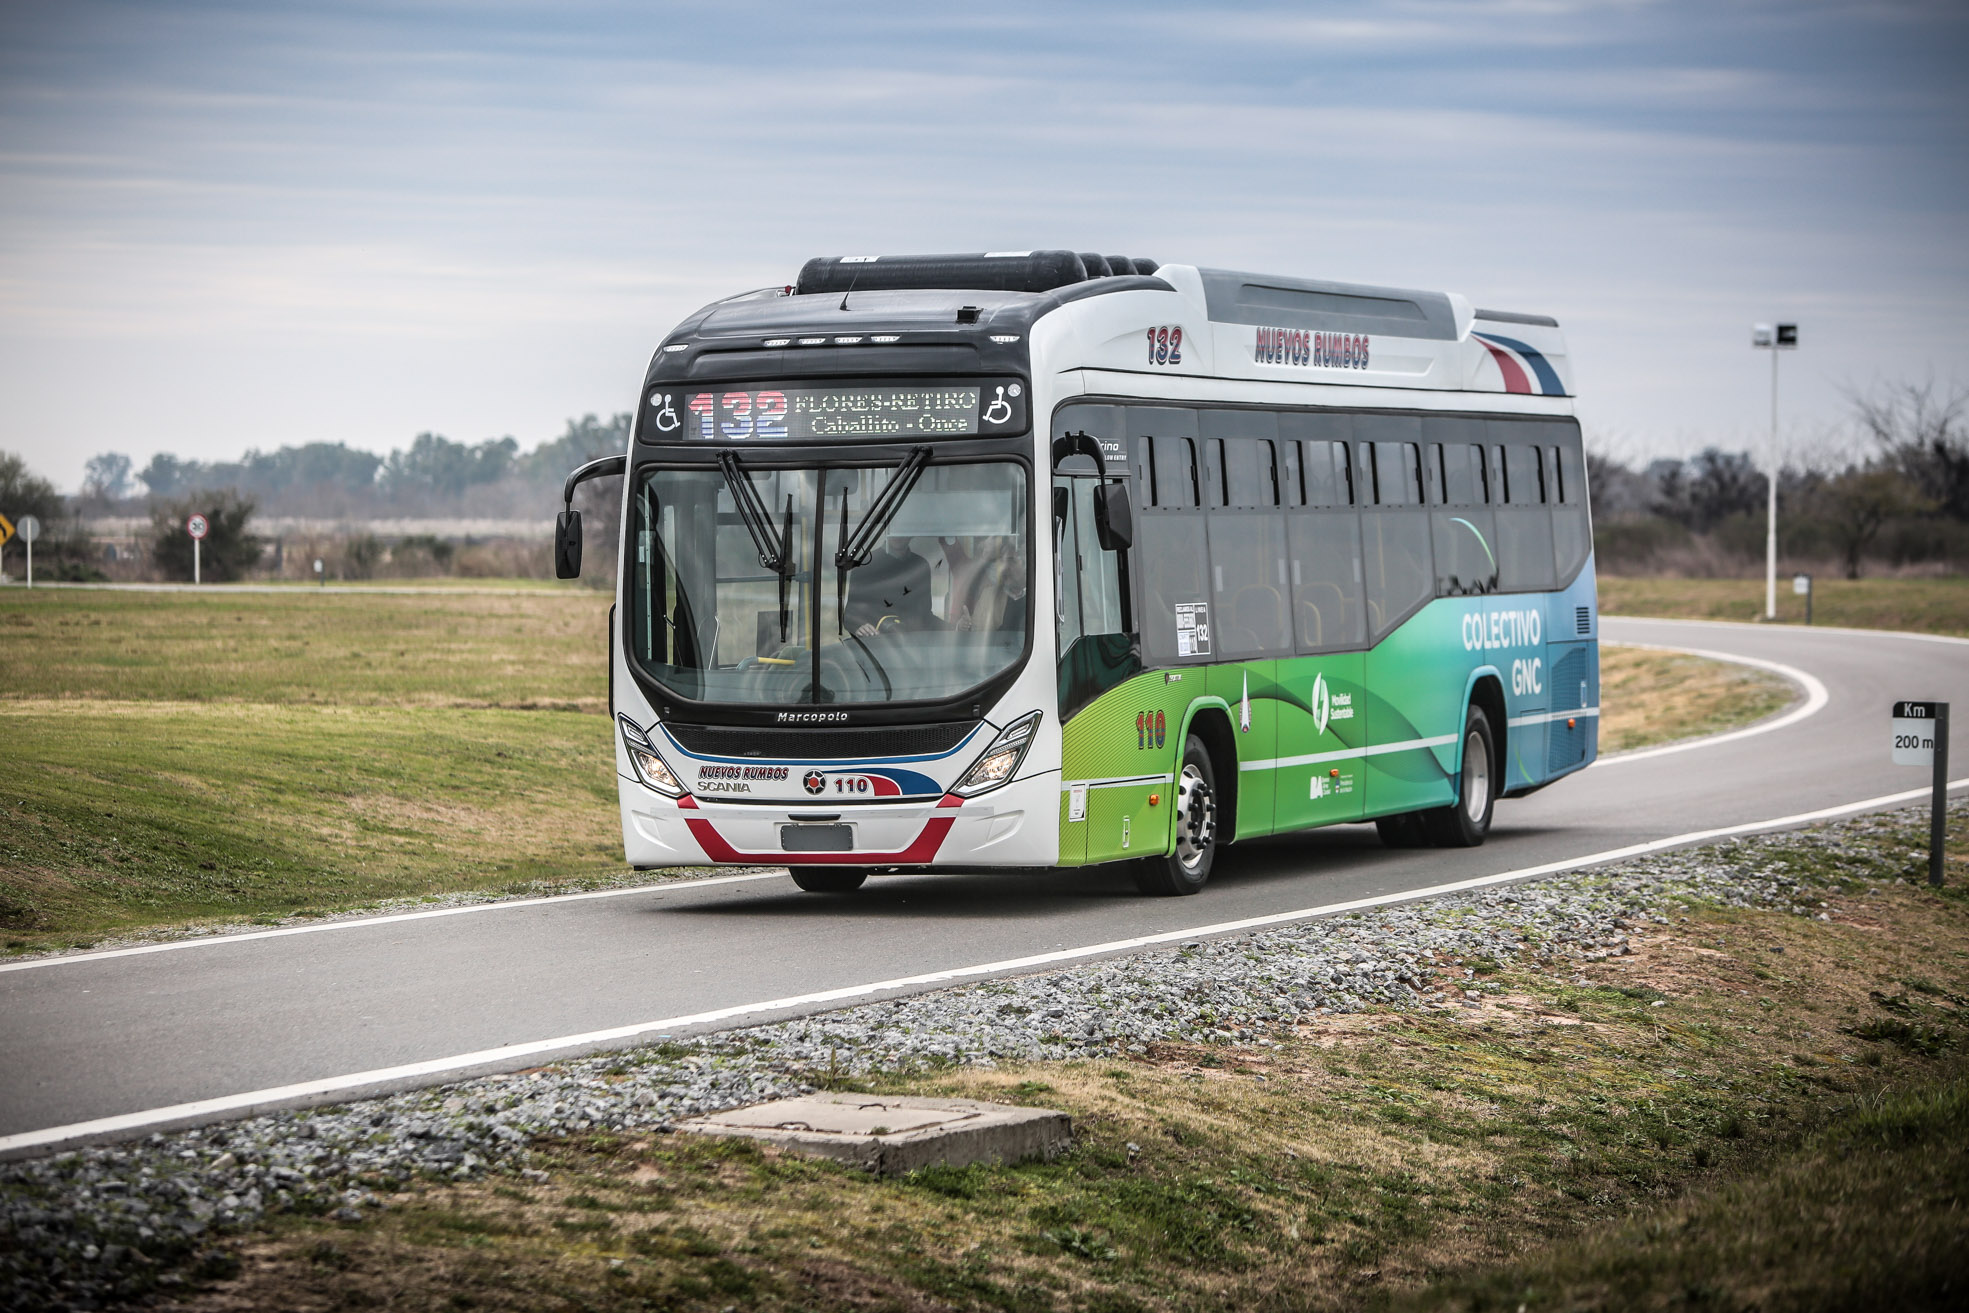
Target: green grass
<point>177,757</point>
<point>300,647</point>
<point>1928,606</point>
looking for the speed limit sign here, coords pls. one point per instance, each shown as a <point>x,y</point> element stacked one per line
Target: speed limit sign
<point>197,527</point>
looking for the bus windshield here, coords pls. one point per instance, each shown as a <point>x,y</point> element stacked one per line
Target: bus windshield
<point>763,609</point>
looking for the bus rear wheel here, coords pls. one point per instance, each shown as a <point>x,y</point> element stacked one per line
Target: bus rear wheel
<point>1187,869</point>
<point>828,879</point>
<point>1464,823</point>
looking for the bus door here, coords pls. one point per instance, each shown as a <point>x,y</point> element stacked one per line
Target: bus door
<point>1098,651</point>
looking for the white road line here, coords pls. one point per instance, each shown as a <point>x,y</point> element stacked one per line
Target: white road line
<point>1816,699</point>
<point>508,1055</point>
<point>361,923</point>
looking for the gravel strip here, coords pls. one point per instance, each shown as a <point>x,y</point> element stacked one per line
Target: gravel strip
<point>95,1226</point>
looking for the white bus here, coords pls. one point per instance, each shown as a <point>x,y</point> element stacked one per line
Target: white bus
<point>1045,559</point>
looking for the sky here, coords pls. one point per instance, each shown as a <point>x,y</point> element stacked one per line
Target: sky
<point>231,226</point>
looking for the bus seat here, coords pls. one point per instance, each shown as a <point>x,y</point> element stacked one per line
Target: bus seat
<point>1309,625</point>
<point>1331,604</point>
<point>1259,609</point>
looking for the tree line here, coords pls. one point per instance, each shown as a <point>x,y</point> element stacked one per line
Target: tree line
<point>433,477</point>
<point>1900,499</point>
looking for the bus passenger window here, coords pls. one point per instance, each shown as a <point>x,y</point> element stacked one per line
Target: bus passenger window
<point>1523,486</point>
<point>1173,463</point>
<point>1397,474</point>
<point>1248,479</point>
<point>1325,560</point>
<point>1395,557</point>
<point>1172,555</point>
<point>1247,575</point>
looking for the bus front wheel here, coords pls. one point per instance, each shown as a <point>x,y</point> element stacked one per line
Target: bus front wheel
<point>828,879</point>
<point>1185,870</point>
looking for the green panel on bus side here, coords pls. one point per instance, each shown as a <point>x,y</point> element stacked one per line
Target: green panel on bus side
<point>1416,678</point>
<point>1123,747</point>
<point>1319,717</point>
<point>1250,689</point>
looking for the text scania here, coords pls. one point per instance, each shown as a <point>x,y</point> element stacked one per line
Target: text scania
<point>1483,629</point>
<point>1296,346</point>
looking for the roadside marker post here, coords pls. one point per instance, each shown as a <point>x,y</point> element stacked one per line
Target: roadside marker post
<point>1801,584</point>
<point>197,527</point>
<point>1921,739</point>
<point>29,529</point>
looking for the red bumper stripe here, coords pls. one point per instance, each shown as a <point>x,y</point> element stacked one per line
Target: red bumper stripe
<point>922,851</point>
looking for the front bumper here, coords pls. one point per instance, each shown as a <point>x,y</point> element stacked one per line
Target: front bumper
<point>1016,825</point>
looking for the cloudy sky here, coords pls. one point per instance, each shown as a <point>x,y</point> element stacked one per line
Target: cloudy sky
<point>242,225</point>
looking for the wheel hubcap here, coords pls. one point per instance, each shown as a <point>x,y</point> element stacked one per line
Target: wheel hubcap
<point>1196,819</point>
<point>1476,778</point>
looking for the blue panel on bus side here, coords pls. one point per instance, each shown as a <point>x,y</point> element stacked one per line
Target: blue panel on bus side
<point>1414,686</point>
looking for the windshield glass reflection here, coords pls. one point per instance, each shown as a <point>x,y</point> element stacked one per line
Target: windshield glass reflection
<point>722,611</point>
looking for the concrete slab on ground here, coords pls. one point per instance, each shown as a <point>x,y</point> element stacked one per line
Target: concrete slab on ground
<point>890,1133</point>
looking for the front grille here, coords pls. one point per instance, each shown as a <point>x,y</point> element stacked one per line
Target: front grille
<point>809,744</point>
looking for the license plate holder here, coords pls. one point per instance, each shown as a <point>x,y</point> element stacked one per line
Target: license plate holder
<point>817,838</point>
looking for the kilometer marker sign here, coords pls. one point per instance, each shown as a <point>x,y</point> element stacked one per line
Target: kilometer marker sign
<point>1914,732</point>
<point>1921,739</point>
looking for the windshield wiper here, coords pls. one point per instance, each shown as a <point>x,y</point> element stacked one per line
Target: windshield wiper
<point>775,551</point>
<point>854,552</point>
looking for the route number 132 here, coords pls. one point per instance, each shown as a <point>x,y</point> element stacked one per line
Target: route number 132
<point>1166,345</point>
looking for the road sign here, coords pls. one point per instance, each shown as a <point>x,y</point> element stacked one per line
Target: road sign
<point>1801,584</point>
<point>29,528</point>
<point>1921,739</point>
<point>6,530</point>
<point>1914,732</point>
<point>197,527</point>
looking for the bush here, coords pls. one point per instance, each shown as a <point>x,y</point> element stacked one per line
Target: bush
<point>228,551</point>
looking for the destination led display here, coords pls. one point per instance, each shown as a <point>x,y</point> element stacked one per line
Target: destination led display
<point>837,413</point>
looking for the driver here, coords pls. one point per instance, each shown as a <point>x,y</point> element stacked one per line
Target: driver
<point>999,594</point>
<point>894,582</point>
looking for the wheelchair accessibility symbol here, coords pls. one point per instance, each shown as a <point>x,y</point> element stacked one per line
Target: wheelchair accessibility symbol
<point>1000,410</point>
<point>666,415</point>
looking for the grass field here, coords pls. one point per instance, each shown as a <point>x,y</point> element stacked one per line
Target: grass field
<point>1929,606</point>
<point>179,757</point>
<point>1751,1110</point>
<point>1649,697</point>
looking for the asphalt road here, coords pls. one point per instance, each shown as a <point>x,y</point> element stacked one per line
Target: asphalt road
<point>105,1046</point>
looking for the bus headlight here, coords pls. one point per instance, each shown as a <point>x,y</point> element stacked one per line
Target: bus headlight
<point>1001,759</point>
<point>649,766</point>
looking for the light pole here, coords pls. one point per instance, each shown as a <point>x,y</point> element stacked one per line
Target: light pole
<point>1784,337</point>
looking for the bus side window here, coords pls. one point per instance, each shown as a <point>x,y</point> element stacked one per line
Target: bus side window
<point>1290,475</point>
<point>1324,551</point>
<point>1525,560</point>
<point>1572,529</point>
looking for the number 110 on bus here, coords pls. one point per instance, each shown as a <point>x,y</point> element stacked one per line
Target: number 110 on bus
<point>747,414</point>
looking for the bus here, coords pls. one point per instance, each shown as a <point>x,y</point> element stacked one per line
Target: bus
<point>1051,559</point>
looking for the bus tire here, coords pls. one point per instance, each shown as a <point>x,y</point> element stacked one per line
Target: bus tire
<point>828,879</point>
<point>1186,869</point>
<point>1464,823</point>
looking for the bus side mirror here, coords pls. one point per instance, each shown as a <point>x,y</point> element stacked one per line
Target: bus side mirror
<point>1114,517</point>
<point>567,545</point>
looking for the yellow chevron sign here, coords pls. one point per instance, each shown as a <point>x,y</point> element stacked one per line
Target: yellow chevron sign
<point>6,530</point>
